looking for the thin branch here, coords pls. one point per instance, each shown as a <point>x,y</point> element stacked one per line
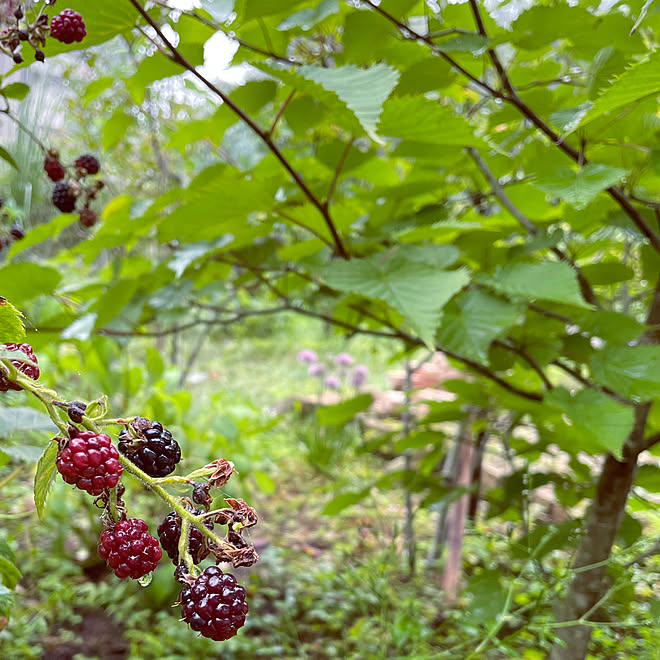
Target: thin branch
<point>302,225</point>
<point>531,360</point>
<point>587,291</point>
<point>280,112</point>
<point>338,169</point>
<point>182,61</point>
<point>24,128</point>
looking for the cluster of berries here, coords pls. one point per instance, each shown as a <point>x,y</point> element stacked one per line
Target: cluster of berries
<point>67,26</point>
<point>212,603</point>
<point>75,187</point>
<point>15,232</point>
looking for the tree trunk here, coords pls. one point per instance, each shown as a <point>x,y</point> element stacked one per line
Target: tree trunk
<point>600,530</point>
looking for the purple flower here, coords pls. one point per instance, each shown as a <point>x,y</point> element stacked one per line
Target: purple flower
<point>332,382</point>
<point>307,356</point>
<point>317,370</point>
<point>343,359</point>
<point>359,375</point>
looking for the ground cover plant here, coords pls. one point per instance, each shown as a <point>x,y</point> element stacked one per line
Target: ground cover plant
<point>472,179</point>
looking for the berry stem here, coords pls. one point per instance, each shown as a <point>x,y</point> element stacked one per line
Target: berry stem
<point>48,396</point>
<point>183,548</point>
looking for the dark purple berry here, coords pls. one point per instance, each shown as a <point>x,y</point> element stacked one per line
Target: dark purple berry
<point>214,605</point>
<point>17,232</point>
<point>154,450</point>
<point>88,217</point>
<point>63,197</point>
<point>169,532</point>
<point>87,164</point>
<point>54,169</point>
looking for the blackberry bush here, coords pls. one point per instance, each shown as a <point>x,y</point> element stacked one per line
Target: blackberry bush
<point>32,372</point>
<point>129,549</point>
<point>153,450</point>
<point>89,461</point>
<point>214,605</point>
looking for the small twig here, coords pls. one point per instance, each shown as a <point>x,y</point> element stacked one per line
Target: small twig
<point>340,165</point>
<point>280,112</point>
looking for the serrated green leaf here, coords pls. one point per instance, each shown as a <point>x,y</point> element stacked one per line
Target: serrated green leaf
<point>44,476</point>
<point>342,413</point>
<point>632,371</point>
<point>363,90</point>
<point>417,290</point>
<point>543,281</point>
<point>22,418</point>
<point>579,187</point>
<point>12,328</point>
<point>343,501</point>
<point>478,320</point>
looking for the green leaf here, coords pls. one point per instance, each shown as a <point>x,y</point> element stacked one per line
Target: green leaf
<point>22,418</point>
<point>579,187</point>
<point>632,371</point>
<point>9,573</point>
<point>306,19</point>
<point>343,501</point>
<point>42,232</point>
<point>24,281</point>
<point>472,43</point>
<point>597,421</point>
<point>648,477</point>
<point>16,91</point>
<point>544,281</point>
<point>419,440</point>
<point>363,90</point>
<point>44,477</point>
<point>23,453</point>
<point>12,328</point>
<point>478,320</point>
<point>6,601</point>
<point>607,272</point>
<point>81,329</point>
<point>115,128</point>
<point>265,482</point>
<point>402,118</point>
<point>6,156</point>
<point>342,413</point>
<point>251,9</point>
<point>417,290</point>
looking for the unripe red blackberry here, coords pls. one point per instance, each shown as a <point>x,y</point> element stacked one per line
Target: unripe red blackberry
<point>129,549</point>
<point>88,217</point>
<point>90,462</point>
<point>154,451</point>
<point>68,26</point>
<point>27,369</point>
<point>54,169</point>
<point>169,532</point>
<point>63,197</point>
<point>88,164</point>
<point>214,605</point>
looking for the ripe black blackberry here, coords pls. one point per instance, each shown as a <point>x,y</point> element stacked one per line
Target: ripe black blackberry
<point>129,549</point>
<point>169,532</point>
<point>63,197</point>
<point>214,605</point>
<point>90,462</point>
<point>68,26</point>
<point>87,164</point>
<point>88,217</point>
<point>27,369</point>
<point>54,169</point>
<point>154,450</point>
<point>17,232</point>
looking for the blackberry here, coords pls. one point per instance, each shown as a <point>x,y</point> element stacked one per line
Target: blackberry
<point>39,55</point>
<point>63,197</point>
<point>214,605</point>
<point>154,450</point>
<point>88,217</point>
<point>27,369</point>
<point>169,532</point>
<point>90,462</point>
<point>17,232</point>
<point>54,169</point>
<point>129,549</point>
<point>68,26</point>
<point>88,164</point>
